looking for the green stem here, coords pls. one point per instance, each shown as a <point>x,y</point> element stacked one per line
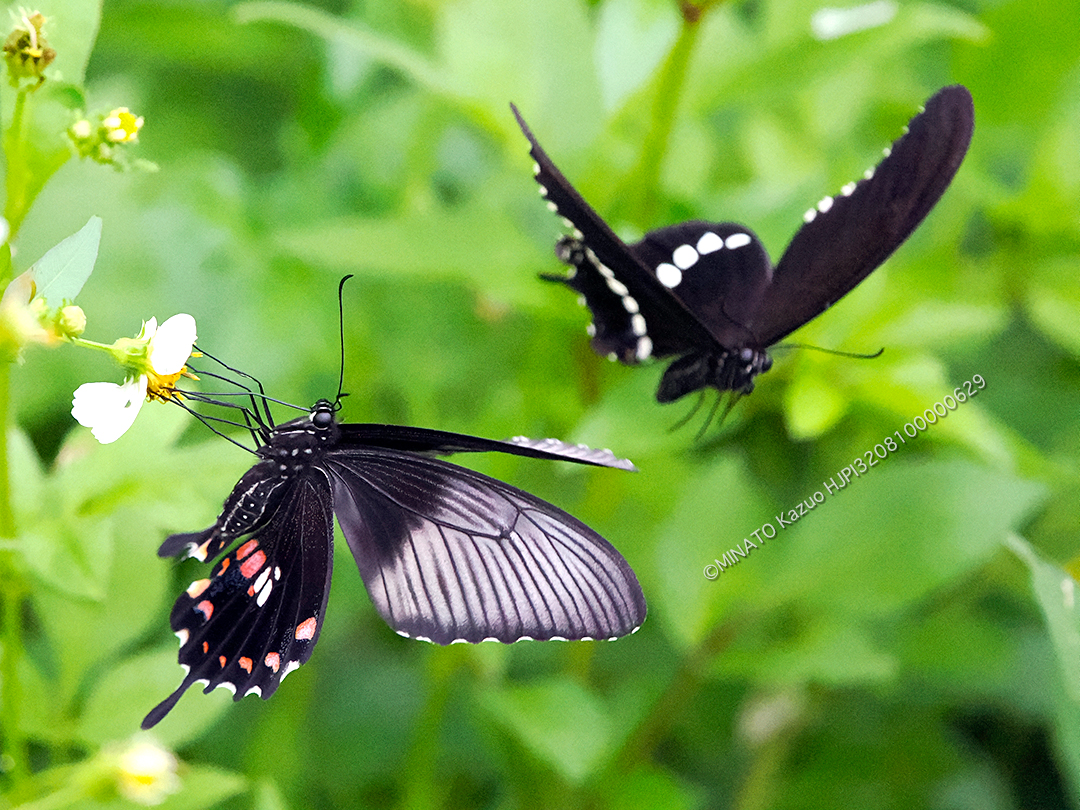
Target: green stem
<point>666,711</point>
<point>13,589</point>
<point>642,182</point>
<point>18,164</point>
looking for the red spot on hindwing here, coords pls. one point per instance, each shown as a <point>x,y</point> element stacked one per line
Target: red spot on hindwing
<point>273,660</point>
<point>206,608</point>
<point>245,664</point>
<point>205,647</point>
<point>305,631</point>
<point>222,660</point>
<point>253,564</point>
<point>247,548</point>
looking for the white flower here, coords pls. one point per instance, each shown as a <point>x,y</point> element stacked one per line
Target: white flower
<point>157,357</point>
<point>108,409</point>
<point>147,773</point>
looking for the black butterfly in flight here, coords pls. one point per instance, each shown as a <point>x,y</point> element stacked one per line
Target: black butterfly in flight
<point>447,554</point>
<point>707,292</point>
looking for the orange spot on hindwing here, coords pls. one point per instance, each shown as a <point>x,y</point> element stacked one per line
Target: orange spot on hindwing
<point>245,664</point>
<point>305,631</point>
<point>273,660</point>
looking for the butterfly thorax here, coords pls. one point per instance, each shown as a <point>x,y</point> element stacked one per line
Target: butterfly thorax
<point>727,370</point>
<point>300,443</point>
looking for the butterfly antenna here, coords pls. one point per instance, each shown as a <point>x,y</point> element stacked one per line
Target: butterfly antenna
<point>837,352</point>
<point>341,336</point>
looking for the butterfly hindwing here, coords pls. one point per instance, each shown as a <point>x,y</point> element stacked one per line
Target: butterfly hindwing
<point>847,236</point>
<point>259,613</point>
<point>719,271</point>
<point>449,555</point>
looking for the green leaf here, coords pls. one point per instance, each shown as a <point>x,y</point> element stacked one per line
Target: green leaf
<point>1056,593</point>
<point>561,722</point>
<point>895,533</point>
<point>632,38</point>
<point>61,273</point>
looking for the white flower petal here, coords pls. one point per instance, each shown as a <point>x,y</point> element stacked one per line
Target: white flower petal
<point>170,346</point>
<point>148,329</point>
<point>108,409</point>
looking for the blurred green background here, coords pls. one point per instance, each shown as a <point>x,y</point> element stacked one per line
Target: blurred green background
<point>911,642</point>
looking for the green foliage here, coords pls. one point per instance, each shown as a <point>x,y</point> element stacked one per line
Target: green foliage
<point>910,641</point>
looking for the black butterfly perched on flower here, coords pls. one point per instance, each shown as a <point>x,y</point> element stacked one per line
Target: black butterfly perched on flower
<point>708,294</point>
<point>447,554</point>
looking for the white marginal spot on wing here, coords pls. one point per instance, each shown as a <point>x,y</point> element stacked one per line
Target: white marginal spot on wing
<point>403,634</point>
<point>709,243</point>
<point>617,287</point>
<point>543,191</point>
<point>810,214</point>
<point>737,240</point>
<point>637,323</point>
<point>848,190</point>
<point>612,356</point>
<point>289,667</point>
<point>684,257</point>
<point>630,304</point>
<point>825,204</point>
<point>201,682</point>
<point>182,634</point>
<point>578,234</point>
<point>669,275</point>
<point>255,690</point>
<point>590,330</point>
<point>886,151</point>
<point>536,168</point>
<point>581,301</point>
<point>1068,590</point>
<point>552,206</point>
<point>644,347</point>
<point>567,223</point>
<point>227,686</point>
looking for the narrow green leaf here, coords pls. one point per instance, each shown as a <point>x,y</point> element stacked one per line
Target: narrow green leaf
<point>61,273</point>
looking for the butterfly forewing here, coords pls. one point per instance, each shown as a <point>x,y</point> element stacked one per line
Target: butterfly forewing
<point>616,285</point>
<point>450,555</point>
<point>851,234</point>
